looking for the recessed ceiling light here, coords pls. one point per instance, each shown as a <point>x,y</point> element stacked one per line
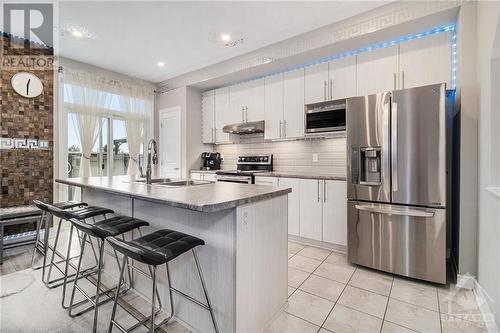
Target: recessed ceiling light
<point>160,64</point>
<point>77,34</point>
<point>225,37</point>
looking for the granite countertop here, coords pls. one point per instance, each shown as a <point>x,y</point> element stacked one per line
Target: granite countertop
<point>306,175</point>
<point>206,171</point>
<point>209,197</point>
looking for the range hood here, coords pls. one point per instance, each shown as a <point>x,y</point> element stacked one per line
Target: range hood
<point>252,127</point>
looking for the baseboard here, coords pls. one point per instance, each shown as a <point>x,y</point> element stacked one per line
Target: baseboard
<point>316,243</point>
<point>470,282</point>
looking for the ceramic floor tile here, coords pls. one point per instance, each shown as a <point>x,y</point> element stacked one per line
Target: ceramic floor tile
<point>379,283</point>
<point>314,252</point>
<point>287,323</point>
<point>339,273</point>
<point>389,327</point>
<point>323,287</point>
<point>309,307</point>
<point>415,293</point>
<point>413,317</point>
<point>451,324</point>
<point>303,263</point>
<point>322,330</point>
<point>294,247</point>
<point>364,301</point>
<point>290,291</point>
<point>457,301</point>
<point>337,259</point>
<point>290,255</point>
<point>296,277</point>
<point>346,320</point>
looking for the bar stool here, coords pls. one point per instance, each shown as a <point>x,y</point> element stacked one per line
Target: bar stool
<point>114,226</point>
<point>43,246</point>
<point>65,215</point>
<point>154,249</point>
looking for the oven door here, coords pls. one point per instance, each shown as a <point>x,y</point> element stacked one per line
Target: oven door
<point>234,179</point>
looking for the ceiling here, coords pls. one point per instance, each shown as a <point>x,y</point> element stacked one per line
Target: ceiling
<point>132,37</point>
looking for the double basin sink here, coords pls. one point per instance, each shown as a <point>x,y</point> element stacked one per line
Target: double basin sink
<point>172,182</point>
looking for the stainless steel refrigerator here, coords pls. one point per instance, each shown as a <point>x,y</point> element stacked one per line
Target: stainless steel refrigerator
<point>397,182</point>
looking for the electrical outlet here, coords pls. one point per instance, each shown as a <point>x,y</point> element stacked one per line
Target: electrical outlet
<point>315,157</point>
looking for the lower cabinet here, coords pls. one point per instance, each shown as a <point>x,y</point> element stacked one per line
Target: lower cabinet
<point>203,176</point>
<point>317,209</point>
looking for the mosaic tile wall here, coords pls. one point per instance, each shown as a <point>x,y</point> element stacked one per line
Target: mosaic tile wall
<point>27,174</point>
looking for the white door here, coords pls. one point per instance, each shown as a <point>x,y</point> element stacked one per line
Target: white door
<point>335,212</point>
<point>293,103</point>
<point>293,204</point>
<point>425,61</point>
<point>273,106</point>
<point>223,114</point>
<point>342,78</point>
<point>170,142</point>
<point>311,208</point>
<point>253,99</point>
<point>208,116</point>
<point>377,71</point>
<point>316,81</point>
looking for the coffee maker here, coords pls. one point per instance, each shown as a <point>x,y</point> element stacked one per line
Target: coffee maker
<point>211,161</point>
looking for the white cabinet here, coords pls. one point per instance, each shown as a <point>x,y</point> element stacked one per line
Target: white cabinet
<point>293,104</point>
<point>311,209</point>
<point>208,116</point>
<point>293,204</point>
<point>425,61</point>
<point>269,181</point>
<point>247,101</point>
<point>377,71</point>
<point>284,105</point>
<point>316,83</point>
<point>335,212</point>
<point>203,176</point>
<point>223,114</point>
<point>273,91</point>
<point>342,78</point>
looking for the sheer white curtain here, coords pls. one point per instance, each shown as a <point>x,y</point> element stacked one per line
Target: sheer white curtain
<point>137,106</point>
<point>88,98</point>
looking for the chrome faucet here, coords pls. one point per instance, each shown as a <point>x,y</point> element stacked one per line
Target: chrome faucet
<point>151,159</point>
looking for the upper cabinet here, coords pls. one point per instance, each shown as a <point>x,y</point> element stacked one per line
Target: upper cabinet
<point>293,105</point>
<point>223,114</point>
<point>273,87</point>
<point>247,101</point>
<point>425,61</point>
<point>208,117</point>
<point>342,78</point>
<point>377,71</point>
<point>316,83</point>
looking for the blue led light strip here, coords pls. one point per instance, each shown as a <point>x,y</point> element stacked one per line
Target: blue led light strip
<point>434,31</point>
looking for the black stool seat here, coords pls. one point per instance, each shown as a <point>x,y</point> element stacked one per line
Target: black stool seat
<point>112,226</point>
<point>87,212</point>
<point>158,247</point>
<point>61,205</point>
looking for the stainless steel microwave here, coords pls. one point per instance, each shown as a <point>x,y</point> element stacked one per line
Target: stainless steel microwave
<point>329,116</point>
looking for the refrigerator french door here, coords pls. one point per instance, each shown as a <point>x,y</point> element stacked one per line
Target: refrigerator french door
<point>396,178</point>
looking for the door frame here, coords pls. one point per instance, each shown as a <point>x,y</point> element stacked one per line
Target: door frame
<point>161,113</point>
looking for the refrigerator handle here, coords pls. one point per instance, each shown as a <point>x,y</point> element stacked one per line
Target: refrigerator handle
<point>394,211</point>
<point>394,145</point>
<point>385,147</point>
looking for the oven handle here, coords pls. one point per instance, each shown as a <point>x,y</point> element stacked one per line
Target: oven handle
<point>234,179</point>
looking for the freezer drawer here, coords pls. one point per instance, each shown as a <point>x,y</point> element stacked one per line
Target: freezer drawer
<point>404,240</point>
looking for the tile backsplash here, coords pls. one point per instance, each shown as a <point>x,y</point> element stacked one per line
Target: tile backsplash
<point>293,156</point>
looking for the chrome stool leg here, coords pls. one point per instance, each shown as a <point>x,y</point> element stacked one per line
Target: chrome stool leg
<point>210,309</point>
<point>39,245</point>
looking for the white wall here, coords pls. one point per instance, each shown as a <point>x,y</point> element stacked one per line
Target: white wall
<point>488,30</point>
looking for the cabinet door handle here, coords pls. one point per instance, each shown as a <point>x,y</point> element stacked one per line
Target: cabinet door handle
<point>284,128</point>
<point>324,190</point>
<point>331,89</point>
<point>246,113</point>
<point>402,79</point>
<point>242,114</point>
<point>394,80</point>
<point>318,189</point>
<point>281,129</point>
<point>324,90</point>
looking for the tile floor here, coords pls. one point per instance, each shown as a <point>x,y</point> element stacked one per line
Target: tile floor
<point>327,294</point>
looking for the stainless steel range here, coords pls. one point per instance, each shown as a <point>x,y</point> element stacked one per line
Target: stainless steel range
<point>247,167</point>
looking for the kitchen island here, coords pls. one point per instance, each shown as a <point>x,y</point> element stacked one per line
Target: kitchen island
<point>244,259</point>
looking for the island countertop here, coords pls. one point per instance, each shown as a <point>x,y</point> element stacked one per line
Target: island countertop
<point>211,197</point>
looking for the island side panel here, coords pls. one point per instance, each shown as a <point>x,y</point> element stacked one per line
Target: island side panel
<point>217,259</point>
<point>261,263</point>
<point>121,204</point>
